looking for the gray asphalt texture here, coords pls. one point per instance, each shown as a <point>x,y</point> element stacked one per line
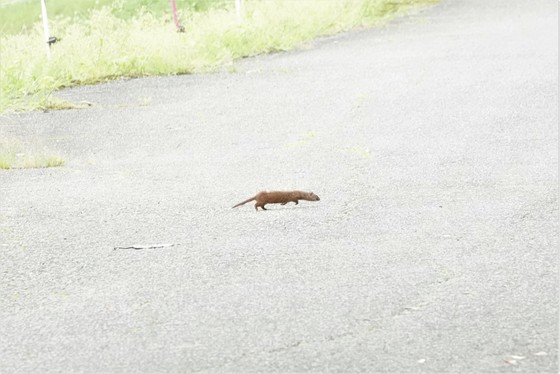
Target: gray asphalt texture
<point>432,142</point>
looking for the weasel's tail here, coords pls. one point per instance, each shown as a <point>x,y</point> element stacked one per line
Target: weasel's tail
<point>244,202</point>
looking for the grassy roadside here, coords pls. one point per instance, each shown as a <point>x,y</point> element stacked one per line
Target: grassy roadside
<point>104,46</point>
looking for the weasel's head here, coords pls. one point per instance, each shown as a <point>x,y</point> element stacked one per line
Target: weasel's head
<point>314,197</point>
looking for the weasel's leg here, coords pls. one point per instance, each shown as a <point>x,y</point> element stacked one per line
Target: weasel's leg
<point>296,201</point>
<point>257,207</point>
<point>263,208</point>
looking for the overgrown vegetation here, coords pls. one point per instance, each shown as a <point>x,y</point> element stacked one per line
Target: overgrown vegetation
<point>111,42</point>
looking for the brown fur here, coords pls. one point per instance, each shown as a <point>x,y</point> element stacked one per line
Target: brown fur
<point>279,197</point>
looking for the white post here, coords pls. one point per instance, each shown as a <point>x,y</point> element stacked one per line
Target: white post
<point>238,10</point>
<point>46,27</point>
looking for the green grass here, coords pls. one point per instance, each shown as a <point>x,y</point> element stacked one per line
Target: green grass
<point>42,161</point>
<point>15,155</point>
<point>111,42</point>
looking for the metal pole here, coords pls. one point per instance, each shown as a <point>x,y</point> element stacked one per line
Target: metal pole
<point>46,27</point>
<point>238,10</point>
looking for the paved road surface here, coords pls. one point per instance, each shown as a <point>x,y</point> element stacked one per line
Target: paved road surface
<point>432,143</point>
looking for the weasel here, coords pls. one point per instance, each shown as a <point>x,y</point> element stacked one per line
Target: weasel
<point>279,197</point>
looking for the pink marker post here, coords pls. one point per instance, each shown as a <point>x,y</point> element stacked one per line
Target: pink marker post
<point>175,19</point>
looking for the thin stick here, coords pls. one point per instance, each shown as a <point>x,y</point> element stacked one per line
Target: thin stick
<point>46,27</point>
<point>149,246</point>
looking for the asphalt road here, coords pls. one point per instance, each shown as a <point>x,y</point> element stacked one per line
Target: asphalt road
<point>432,143</point>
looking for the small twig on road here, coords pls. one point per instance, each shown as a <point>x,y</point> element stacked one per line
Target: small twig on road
<point>150,246</point>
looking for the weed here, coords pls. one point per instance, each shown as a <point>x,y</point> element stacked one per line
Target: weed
<point>15,155</point>
<point>53,103</point>
<point>35,161</point>
<point>145,101</point>
<point>6,160</point>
